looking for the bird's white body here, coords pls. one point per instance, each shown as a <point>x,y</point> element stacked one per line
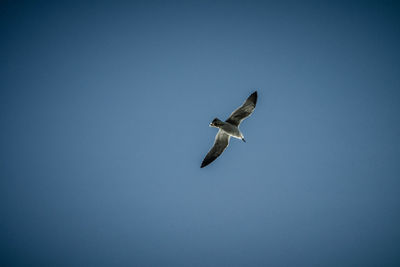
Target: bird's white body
<point>230,130</point>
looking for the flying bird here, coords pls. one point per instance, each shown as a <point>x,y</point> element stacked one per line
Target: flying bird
<point>229,128</point>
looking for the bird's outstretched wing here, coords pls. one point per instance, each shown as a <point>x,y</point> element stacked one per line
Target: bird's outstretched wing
<point>244,110</point>
<point>220,143</point>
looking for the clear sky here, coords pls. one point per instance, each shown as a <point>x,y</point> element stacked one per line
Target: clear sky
<point>104,113</point>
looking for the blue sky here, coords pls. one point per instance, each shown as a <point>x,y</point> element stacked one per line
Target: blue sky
<point>105,110</point>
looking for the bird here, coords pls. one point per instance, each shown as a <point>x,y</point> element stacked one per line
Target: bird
<point>229,128</point>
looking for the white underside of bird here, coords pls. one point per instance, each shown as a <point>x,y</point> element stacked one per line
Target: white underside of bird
<point>230,130</point>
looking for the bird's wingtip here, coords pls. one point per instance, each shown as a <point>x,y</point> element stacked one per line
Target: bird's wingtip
<point>253,97</point>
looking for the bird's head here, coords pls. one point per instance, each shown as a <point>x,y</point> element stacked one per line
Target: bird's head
<point>216,123</point>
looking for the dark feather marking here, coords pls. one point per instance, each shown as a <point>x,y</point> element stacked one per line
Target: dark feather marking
<point>244,110</point>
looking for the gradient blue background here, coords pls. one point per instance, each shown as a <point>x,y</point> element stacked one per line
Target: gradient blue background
<point>104,113</point>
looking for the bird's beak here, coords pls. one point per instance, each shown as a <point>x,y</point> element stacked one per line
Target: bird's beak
<point>243,140</point>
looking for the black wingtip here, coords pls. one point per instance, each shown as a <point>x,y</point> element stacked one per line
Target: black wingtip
<point>253,97</point>
<point>203,164</point>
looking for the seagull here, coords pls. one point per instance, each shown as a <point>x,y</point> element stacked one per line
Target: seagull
<point>229,128</point>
